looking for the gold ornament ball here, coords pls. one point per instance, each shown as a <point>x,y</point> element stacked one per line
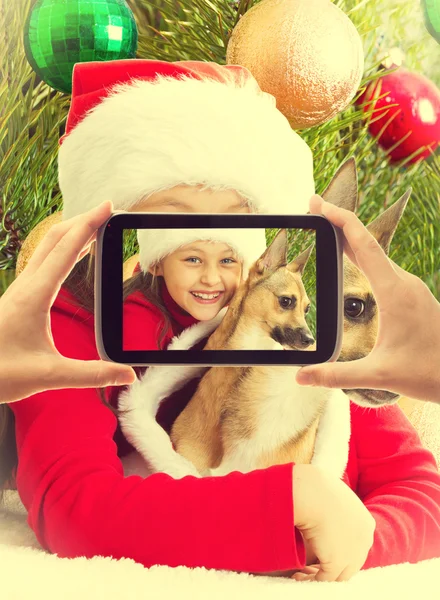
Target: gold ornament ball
<point>34,238</point>
<point>37,234</point>
<point>306,53</point>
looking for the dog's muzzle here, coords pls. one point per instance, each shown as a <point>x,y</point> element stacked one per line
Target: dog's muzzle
<point>296,338</point>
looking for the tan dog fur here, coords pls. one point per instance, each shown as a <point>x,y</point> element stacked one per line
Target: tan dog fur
<point>214,416</point>
<point>225,413</point>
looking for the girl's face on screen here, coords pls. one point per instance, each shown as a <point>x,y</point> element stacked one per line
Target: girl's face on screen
<point>201,277</point>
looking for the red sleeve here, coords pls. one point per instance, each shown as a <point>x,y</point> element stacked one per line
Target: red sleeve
<point>399,483</point>
<point>142,324</point>
<point>71,481</point>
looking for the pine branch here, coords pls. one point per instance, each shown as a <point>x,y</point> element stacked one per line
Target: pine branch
<point>32,118</point>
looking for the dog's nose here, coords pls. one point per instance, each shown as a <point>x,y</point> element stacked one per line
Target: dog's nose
<point>298,338</point>
<point>306,339</point>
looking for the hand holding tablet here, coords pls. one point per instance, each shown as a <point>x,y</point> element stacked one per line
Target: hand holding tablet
<point>406,356</point>
<point>29,361</point>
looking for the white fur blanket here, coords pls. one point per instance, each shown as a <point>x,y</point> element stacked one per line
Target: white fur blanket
<point>27,572</point>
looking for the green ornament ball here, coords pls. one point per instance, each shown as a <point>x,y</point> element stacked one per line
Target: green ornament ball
<point>60,33</point>
<point>431,14</point>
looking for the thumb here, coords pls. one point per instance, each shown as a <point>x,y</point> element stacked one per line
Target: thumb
<point>348,375</point>
<point>92,374</point>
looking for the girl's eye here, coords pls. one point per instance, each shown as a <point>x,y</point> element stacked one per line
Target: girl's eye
<point>228,261</point>
<point>192,259</point>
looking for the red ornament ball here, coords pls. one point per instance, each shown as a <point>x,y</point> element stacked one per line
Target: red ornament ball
<point>408,112</point>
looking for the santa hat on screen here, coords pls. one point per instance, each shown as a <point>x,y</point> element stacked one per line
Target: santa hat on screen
<point>137,126</point>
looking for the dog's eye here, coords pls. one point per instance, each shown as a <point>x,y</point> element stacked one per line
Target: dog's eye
<point>285,301</point>
<point>353,307</point>
<point>307,309</point>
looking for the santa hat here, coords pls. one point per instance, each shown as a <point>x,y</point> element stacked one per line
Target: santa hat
<point>136,127</point>
<point>248,244</point>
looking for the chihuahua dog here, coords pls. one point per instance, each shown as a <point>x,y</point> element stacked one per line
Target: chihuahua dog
<point>245,418</point>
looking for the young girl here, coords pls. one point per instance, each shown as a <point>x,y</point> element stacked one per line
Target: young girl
<point>196,137</point>
<point>188,276</point>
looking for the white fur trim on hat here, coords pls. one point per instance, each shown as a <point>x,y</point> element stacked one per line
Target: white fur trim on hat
<point>146,137</point>
<point>155,244</point>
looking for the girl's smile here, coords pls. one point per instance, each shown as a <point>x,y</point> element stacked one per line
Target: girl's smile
<point>207,297</point>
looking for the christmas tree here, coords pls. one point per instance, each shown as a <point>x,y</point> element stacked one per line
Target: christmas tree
<point>32,118</point>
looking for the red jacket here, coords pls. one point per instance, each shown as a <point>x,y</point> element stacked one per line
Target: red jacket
<point>71,481</point>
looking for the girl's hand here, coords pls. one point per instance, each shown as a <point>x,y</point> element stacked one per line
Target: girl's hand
<point>337,528</point>
<point>406,357</point>
<point>307,574</point>
<point>29,361</point>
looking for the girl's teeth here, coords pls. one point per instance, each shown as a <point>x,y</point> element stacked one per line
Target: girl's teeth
<point>206,296</point>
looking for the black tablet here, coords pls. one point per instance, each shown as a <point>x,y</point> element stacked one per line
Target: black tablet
<point>294,317</point>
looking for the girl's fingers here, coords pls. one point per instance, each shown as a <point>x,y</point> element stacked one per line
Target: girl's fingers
<point>348,573</point>
<point>328,573</point>
<point>303,577</point>
<point>307,574</point>
<point>309,570</point>
<point>90,222</point>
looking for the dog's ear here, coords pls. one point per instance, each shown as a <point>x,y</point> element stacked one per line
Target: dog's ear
<point>385,225</point>
<point>275,255</point>
<point>298,264</point>
<point>342,190</point>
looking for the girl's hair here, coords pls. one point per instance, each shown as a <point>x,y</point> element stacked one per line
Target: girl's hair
<point>80,283</point>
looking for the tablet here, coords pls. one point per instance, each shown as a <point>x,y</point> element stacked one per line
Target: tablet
<point>301,329</point>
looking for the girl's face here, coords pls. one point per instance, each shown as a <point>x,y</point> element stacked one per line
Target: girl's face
<point>201,277</point>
